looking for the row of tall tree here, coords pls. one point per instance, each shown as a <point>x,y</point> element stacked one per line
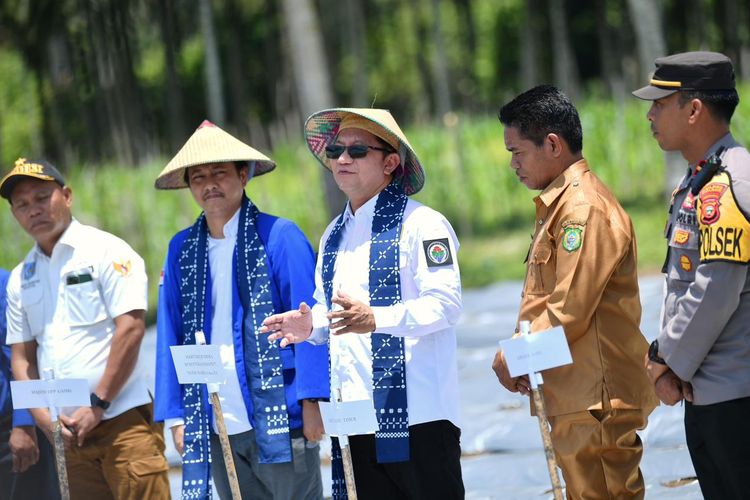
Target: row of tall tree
<point>128,80</point>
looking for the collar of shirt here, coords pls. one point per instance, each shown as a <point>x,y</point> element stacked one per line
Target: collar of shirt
<point>230,228</point>
<point>71,237</point>
<point>364,213</point>
<point>560,184</point>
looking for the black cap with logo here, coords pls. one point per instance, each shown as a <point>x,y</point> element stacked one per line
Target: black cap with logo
<point>37,169</point>
<point>688,71</point>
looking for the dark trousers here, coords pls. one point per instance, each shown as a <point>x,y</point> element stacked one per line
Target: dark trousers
<point>718,437</point>
<point>39,482</point>
<point>433,471</point>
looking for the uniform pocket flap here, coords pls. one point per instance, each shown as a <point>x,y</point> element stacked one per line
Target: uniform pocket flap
<point>149,465</point>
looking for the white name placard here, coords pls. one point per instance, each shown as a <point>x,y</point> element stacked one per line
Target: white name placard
<point>198,364</point>
<point>56,393</point>
<point>349,418</point>
<point>536,352</point>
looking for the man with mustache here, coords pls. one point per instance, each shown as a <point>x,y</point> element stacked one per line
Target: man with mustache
<point>702,353</point>
<point>223,276</point>
<point>76,305</point>
<point>581,275</point>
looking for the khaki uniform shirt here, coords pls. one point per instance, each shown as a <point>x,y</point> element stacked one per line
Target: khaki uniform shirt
<point>705,331</point>
<point>582,275</point>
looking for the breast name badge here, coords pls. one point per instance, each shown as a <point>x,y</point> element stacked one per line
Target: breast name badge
<point>438,252</point>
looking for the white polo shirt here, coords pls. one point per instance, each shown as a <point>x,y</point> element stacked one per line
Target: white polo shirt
<point>425,317</point>
<point>67,302</point>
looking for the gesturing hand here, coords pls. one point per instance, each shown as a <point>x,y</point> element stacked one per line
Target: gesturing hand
<point>353,317</point>
<point>291,327</point>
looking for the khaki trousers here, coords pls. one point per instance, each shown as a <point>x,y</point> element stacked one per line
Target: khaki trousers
<point>599,453</point>
<point>123,459</point>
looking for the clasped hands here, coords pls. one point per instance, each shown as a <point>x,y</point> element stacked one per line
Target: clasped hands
<point>292,327</point>
<point>669,388</point>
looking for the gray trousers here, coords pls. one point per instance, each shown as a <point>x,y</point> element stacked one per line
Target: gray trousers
<point>297,480</point>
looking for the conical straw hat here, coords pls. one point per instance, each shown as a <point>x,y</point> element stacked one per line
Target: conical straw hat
<point>210,144</point>
<point>321,129</point>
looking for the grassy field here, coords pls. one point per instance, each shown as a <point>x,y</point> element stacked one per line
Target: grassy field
<point>468,179</point>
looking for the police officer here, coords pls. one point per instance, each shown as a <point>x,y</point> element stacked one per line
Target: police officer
<point>702,353</point>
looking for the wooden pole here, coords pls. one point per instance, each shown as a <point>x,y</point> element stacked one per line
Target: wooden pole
<point>541,415</point>
<point>226,448</point>
<point>59,444</point>
<point>346,458</point>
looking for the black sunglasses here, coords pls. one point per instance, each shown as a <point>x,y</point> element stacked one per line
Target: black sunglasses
<point>333,151</point>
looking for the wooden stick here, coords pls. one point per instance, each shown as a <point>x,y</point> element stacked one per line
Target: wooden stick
<point>549,453</point>
<point>59,444</point>
<point>226,448</point>
<point>541,414</point>
<point>346,458</point>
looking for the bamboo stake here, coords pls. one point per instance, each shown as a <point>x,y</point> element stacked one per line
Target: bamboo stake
<point>226,448</point>
<point>541,414</point>
<point>59,444</point>
<point>346,458</point>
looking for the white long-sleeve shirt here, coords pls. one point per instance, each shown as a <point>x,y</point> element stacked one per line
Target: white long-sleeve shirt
<point>425,317</point>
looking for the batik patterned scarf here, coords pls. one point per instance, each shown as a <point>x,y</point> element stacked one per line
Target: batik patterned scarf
<point>388,366</point>
<point>262,359</point>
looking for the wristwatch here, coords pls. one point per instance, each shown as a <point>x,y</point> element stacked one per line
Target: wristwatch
<point>653,353</point>
<point>97,402</point>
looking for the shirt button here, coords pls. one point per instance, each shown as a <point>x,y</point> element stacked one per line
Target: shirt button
<point>575,183</point>
<point>522,294</point>
<point>541,221</point>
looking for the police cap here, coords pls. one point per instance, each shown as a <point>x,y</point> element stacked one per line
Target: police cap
<point>688,71</point>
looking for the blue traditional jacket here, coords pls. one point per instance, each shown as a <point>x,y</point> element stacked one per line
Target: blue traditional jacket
<point>291,263</point>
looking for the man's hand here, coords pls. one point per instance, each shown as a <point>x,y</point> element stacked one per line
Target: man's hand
<point>513,384</point>
<point>312,422</point>
<point>354,317</point>
<point>292,327</point>
<point>668,388</point>
<point>655,370</point>
<point>23,447</point>
<point>178,436</point>
<point>83,421</point>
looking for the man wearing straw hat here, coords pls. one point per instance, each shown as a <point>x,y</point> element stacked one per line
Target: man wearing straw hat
<point>224,275</point>
<point>388,290</point>
<point>582,275</point>
<point>76,306</point>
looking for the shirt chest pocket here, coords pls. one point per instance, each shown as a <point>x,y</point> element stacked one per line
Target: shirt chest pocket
<point>33,308</point>
<point>84,303</point>
<point>541,275</point>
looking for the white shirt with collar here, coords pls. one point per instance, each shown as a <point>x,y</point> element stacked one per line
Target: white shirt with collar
<point>67,302</point>
<point>425,317</point>
<point>220,255</point>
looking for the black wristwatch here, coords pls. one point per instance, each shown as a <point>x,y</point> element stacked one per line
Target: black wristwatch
<point>97,402</point>
<point>653,353</point>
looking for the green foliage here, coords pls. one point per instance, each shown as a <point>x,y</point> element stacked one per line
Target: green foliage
<point>468,179</point>
<point>18,108</point>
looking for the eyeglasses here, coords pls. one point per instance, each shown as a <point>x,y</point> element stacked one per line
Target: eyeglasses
<point>333,151</point>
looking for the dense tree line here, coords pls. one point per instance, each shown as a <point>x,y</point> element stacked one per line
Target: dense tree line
<point>128,80</point>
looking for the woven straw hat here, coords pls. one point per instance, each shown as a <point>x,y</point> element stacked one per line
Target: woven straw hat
<point>321,129</point>
<point>210,144</point>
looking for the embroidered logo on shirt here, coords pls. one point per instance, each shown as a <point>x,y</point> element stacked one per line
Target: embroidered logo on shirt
<point>122,268</point>
<point>29,269</point>
<point>710,196</point>
<point>572,238</point>
<point>681,236</point>
<point>685,263</point>
<point>438,252</point>
<point>689,202</point>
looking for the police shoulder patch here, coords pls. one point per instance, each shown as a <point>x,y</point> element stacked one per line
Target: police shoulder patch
<point>437,252</point>
<point>724,229</point>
